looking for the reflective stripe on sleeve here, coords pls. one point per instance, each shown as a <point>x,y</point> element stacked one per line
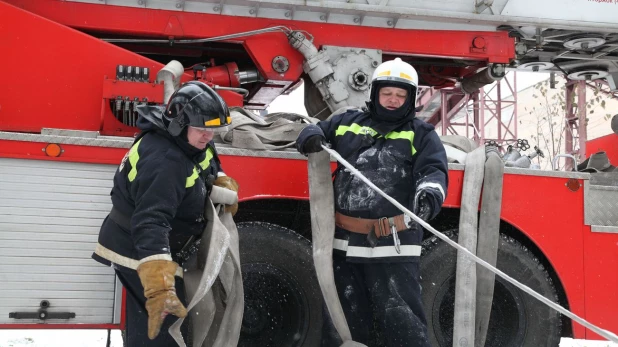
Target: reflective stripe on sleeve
<point>133,159</point>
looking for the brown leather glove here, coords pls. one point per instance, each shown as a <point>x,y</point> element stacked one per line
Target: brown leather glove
<point>157,277</point>
<point>231,184</point>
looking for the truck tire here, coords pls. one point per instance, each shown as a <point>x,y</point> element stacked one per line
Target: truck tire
<point>283,301</point>
<point>517,319</point>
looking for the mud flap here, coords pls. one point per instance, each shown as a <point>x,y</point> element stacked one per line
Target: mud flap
<point>488,239</point>
<point>322,207</point>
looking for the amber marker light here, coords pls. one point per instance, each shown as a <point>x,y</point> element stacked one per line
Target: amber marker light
<point>53,150</point>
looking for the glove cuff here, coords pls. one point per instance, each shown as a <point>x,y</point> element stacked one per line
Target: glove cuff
<point>227,182</point>
<point>157,276</point>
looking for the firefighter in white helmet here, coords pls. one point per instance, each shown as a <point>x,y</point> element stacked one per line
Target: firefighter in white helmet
<point>377,248</point>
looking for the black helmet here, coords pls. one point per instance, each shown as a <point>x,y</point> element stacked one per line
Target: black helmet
<point>195,104</point>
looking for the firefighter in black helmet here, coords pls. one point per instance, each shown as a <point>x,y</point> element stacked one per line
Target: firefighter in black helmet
<point>196,105</point>
<point>158,198</point>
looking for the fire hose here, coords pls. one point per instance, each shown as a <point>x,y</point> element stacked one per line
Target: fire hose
<point>602,332</point>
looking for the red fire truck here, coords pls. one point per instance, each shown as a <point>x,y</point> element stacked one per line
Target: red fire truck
<point>73,72</point>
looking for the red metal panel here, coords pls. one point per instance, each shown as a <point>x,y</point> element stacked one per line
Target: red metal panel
<point>601,278</point>
<point>56,79</point>
<point>552,216</point>
<point>498,48</point>
<point>530,204</point>
<point>608,143</point>
<point>73,73</point>
<point>261,178</point>
<point>72,153</point>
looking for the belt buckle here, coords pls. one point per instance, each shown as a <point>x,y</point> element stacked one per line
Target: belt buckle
<point>381,225</point>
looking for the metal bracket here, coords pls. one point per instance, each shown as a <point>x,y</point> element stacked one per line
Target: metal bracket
<point>392,22</point>
<point>219,7</point>
<point>254,10</point>
<point>482,5</point>
<point>42,313</point>
<point>289,14</point>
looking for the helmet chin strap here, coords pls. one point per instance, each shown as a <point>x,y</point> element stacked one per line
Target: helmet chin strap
<point>176,125</point>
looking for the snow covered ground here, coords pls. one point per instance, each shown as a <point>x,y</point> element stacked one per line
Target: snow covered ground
<point>58,338</point>
<point>98,338</point>
<point>566,342</point>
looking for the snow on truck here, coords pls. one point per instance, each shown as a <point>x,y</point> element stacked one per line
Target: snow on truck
<point>73,72</point>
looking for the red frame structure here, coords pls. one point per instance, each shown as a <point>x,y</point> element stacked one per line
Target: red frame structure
<point>65,78</point>
<point>485,109</point>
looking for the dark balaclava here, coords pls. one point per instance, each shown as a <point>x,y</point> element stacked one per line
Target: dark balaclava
<point>151,119</point>
<point>384,120</point>
<point>183,142</point>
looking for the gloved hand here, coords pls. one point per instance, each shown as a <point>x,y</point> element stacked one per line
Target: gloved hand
<point>157,277</point>
<point>231,184</point>
<point>422,205</point>
<point>313,144</point>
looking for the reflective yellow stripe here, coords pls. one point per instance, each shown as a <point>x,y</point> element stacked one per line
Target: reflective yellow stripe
<point>406,76</point>
<point>204,165</point>
<point>206,162</point>
<point>356,129</point>
<point>212,122</point>
<point>365,130</point>
<point>404,135</point>
<point>384,73</point>
<point>133,158</point>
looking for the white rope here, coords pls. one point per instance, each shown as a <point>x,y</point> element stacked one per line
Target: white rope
<point>602,332</point>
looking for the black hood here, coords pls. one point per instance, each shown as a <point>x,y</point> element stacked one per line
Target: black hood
<point>384,120</point>
<point>150,119</point>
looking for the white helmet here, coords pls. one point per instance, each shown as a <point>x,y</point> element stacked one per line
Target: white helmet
<point>397,71</point>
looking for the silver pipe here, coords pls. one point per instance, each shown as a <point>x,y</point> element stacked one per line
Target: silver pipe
<point>281,28</point>
<point>237,90</point>
<point>248,76</point>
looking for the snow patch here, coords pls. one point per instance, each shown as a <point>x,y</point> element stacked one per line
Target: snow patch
<point>569,342</point>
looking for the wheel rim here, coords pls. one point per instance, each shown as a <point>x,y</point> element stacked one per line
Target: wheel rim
<point>507,324</point>
<point>276,311</point>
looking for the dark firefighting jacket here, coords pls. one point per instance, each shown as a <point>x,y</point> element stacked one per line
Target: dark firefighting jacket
<point>158,198</point>
<point>408,158</point>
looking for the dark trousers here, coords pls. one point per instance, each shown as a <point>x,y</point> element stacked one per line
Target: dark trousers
<point>382,304</point>
<point>136,333</point>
